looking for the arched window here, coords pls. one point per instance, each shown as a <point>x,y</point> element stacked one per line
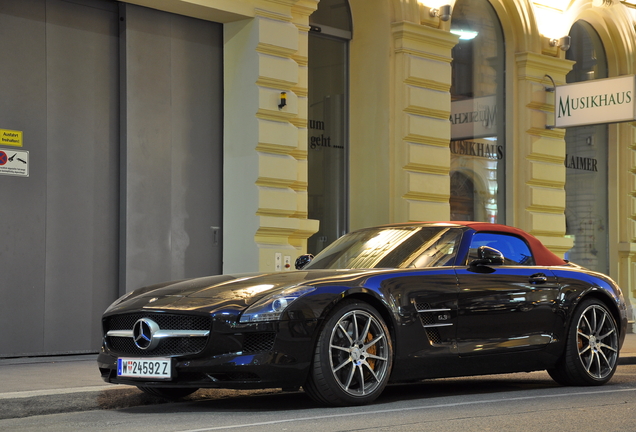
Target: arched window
<point>328,121</point>
<point>463,199</point>
<point>477,111</point>
<point>586,183</point>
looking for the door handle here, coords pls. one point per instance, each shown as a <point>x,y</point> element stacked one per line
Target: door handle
<point>538,278</point>
<point>215,234</point>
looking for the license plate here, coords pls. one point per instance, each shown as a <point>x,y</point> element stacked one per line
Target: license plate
<point>158,368</point>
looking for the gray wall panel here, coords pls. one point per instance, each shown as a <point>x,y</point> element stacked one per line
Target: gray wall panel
<point>96,218</point>
<point>22,208</point>
<point>173,139</point>
<point>148,141</point>
<point>197,137</point>
<point>59,236</point>
<point>83,152</point>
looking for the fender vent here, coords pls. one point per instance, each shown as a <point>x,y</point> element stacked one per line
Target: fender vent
<point>430,324</point>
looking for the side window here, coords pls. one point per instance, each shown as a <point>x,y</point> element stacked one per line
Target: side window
<point>438,252</point>
<point>514,249</point>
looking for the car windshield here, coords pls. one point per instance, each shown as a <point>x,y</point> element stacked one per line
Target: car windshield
<point>391,247</point>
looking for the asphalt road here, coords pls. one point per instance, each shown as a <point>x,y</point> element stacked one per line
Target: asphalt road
<point>516,402</point>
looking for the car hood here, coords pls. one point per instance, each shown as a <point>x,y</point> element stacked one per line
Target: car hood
<point>234,291</point>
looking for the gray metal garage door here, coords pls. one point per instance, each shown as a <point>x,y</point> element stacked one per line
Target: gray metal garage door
<point>173,146</point>
<point>124,142</point>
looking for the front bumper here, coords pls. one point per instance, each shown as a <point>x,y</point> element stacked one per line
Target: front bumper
<point>282,364</point>
<point>252,371</point>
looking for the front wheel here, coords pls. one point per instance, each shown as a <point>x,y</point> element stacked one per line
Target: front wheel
<point>353,357</point>
<point>591,353</point>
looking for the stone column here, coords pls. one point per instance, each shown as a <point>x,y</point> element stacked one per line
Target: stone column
<point>420,163</point>
<point>265,212</point>
<point>536,172</point>
<point>626,223</point>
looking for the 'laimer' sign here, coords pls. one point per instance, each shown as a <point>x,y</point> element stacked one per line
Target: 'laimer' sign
<point>609,100</point>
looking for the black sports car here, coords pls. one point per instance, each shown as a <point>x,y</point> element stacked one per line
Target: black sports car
<point>388,304</point>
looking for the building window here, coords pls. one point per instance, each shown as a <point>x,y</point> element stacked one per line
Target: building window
<point>477,114</point>
<point>462,200</point>
<point>586,184</point>
<point>328,120</point>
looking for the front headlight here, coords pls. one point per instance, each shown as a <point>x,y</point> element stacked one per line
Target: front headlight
<point>270,308</point>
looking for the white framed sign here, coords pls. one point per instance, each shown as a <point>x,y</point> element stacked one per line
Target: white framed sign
<point>14,162</point>
<point>599,101</point>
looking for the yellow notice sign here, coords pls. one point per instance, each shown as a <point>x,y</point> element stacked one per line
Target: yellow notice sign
<point>10,138</point>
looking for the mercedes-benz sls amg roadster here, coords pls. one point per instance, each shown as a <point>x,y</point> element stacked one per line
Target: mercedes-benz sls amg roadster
<point>395,303</point>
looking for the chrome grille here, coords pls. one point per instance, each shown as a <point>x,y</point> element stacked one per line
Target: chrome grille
<point>171,346</point>
<point>165,321</point>
<point>167,347</point>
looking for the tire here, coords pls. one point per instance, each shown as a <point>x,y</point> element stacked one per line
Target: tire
<point>353,357</point>
<point>170,393</point>
<point>591,352</point>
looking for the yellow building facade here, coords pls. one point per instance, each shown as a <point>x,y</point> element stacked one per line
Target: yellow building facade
<point>399,137</point>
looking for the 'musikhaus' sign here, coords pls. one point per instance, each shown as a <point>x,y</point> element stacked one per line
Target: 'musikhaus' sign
<point>594,102</point>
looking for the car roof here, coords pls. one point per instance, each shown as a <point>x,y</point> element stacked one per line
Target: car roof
<point>542,255</point>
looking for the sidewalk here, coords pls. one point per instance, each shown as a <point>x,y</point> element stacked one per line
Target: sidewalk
<point>48,385</point>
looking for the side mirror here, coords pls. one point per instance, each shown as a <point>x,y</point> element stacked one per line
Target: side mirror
<point>303,260</point>
<point>487,256</point>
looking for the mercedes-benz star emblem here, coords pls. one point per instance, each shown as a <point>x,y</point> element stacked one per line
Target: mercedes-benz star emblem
<point>143,332</point>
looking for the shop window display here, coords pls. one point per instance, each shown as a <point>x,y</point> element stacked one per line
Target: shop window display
<point>478,150</point>
<point>586,183</point>
<point>327,126</point>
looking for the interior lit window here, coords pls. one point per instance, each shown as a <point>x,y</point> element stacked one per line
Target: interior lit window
<point>478,149</point>
<point>586,161</point>
<point>328,119</point>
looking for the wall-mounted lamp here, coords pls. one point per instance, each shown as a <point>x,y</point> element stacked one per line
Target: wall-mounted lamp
<point>550,89</point>
<point>444,12</point>
<point>283,100</point>
<point>563,43</point>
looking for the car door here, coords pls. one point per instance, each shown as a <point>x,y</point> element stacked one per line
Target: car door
<point>424,294</point>
<point>507,307</point>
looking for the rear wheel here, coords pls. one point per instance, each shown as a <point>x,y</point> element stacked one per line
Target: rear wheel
<point>353,357</point>
<point>171,393</point>
<point>591,353</point>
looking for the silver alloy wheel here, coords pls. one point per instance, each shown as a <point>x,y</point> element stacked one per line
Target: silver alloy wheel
<point>597,341</point>
<point>359,353</point>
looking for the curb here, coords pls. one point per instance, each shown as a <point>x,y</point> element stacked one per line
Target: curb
<point>65,402</point>
<point>108,399</point>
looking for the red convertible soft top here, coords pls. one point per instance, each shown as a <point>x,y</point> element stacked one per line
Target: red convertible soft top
<point>542,255</point>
